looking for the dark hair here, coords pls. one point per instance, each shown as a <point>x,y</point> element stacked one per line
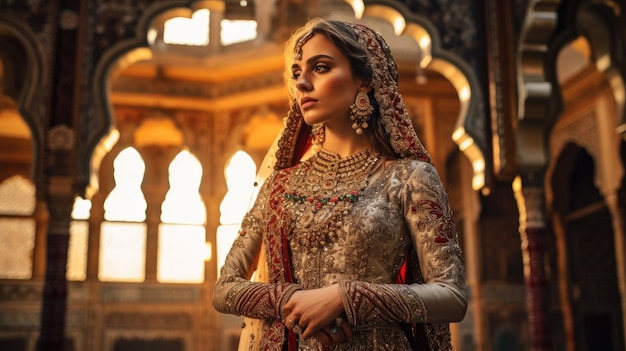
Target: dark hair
<point>346,40</point>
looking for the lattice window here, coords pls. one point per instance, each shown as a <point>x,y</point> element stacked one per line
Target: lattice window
<point>17,228</point>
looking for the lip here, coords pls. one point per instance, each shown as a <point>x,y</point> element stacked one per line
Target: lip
<point>307,102</point>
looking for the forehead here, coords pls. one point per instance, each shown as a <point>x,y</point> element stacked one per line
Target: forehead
<point>319,44</point>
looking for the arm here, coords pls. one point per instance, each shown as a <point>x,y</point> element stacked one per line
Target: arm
<point>234,293</point>
<point>442,298</point>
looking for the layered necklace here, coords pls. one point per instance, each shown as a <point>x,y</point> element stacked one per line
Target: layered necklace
<point>320,194</point>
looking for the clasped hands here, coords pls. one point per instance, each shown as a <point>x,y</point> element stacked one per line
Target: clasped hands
<point>316,313</point>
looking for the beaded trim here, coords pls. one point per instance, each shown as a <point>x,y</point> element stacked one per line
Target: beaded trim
<point>393,112</point>
<point>297,50</point>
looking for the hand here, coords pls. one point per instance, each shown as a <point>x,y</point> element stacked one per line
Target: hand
<point>336,333</point>
<point>312,310</point>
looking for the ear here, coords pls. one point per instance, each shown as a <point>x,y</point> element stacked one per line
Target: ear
<point>365,87</point>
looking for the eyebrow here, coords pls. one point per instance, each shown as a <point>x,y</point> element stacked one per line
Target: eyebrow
<point>313,59</point>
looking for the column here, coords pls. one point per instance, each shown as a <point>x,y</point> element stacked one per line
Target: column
<point>532,229</point>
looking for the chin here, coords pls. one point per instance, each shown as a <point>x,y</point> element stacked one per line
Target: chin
<point>312,121</point>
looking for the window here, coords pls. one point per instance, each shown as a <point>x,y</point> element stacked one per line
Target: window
<point>182,233</point>
<point>17,228</point>
<point>123,234</point>
<point>240,175</point>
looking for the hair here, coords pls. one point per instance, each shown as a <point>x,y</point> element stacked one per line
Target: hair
<point>347,42</point>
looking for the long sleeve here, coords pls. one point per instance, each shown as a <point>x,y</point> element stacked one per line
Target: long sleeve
<point>234,293</point>
<point>442,297</point>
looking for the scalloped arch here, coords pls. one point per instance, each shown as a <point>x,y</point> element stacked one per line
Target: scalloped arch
<point>539,93</point>
<point>31,96</point>
<point>468,138</point>
<point>536,83</point>
<point>102,138</point>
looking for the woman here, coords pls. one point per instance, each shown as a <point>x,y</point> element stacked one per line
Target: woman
<point>352,232</point>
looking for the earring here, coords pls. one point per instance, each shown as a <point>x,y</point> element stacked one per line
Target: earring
<point>317,136</point>
<point>360,112</point>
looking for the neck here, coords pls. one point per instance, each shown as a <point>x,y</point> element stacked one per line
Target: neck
<point>344,143</point>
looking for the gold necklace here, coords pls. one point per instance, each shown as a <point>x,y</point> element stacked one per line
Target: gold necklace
<point>321,193</point>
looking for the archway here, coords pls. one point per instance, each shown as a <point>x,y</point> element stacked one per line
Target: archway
<point>549,30</point>
<point>227,85</point>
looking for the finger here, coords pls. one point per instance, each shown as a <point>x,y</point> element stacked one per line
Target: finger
<point>346,329</point>
<point>289,322</point>
<point>323,337</point>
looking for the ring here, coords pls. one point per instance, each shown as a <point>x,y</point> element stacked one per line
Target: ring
<point>297,329</point>
<point>337,325</point>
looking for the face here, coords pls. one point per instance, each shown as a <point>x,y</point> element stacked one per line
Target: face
<point>324,84</point>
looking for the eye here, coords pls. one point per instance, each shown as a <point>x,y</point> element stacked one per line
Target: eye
<point>295,75</point>
<point>320,67</point>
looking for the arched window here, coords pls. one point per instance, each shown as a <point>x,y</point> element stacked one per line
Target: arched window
<point>123,233</point>
<point>182,232</point>
<point>194,31</point>
<point>240,173</point>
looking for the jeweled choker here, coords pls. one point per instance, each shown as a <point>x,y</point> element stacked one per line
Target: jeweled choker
<point>322,192</point>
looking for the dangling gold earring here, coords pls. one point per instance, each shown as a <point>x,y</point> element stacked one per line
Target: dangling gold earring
<point>360,112</point>
<point>317,136</point>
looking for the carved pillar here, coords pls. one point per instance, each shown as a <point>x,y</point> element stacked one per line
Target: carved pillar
<point>617,214</point>
<point>155,186</point>
<point>96,218</point>
<point>532,229</point>
<point>42,218</point>
<point>564,284</point>
<point>60,199</point>
<point>473,263</point>
<point>60,169</point>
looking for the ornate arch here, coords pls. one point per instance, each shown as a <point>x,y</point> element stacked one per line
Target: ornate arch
<point>469,131</point>
<point>98,132</point>
<point>30,96</point>
<point>604,26</point>
<point>548,27</point>
<point>537,83</point>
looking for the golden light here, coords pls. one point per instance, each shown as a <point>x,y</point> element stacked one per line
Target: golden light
<point>237,31</point>
<point>192,31</point>
<point>122,252</point>
<point>390,15</point>
<point>358,7</point>
<point>240,174</point>
<point>81,208</point>
<point>182,252</point>
<point>126,201</point>
<point>423,40</point>
<point>464,93</point>
<point>469,148</point>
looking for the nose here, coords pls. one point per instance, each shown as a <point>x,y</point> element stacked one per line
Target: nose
<point>302,83</point>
